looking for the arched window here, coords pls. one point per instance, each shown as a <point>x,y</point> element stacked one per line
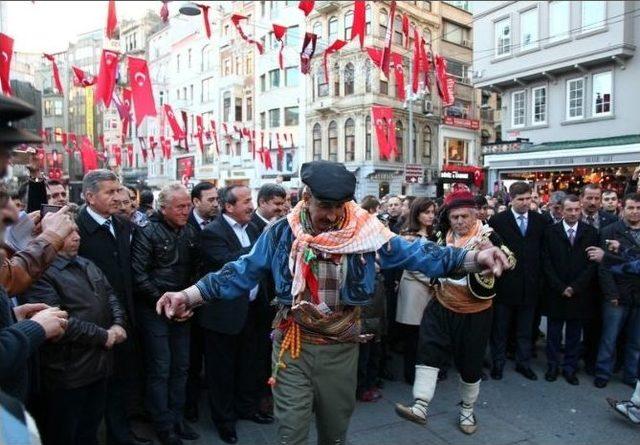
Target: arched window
<point>426,145</point>
<point>383,21</point>
<point>333,30</point>
<point>367,142</point>
<point>323,84</point>
<point>427,35</point>
<point>397,30</point>
<point>317,142</point>
<point>349,79</point>
<point>399,141</point>
<point>367,15</point>
<point>317,29</point>
<point>333,141</point>
<point>349,140</point>
<point>367,76</point>
<point>336,80</point>
<point>348,24</point>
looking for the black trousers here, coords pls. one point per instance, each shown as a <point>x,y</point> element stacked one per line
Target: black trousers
<point>503,315</point>
<point>196,351</point>
<point>230,370</point>
<point>72,416</point>
<point>410,335</point>
<point>444,333</point>
<point>122,387</point>
<point>369,364</point>
<point>573,332</point>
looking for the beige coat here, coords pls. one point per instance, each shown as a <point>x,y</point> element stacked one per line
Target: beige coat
<point>413,296</point>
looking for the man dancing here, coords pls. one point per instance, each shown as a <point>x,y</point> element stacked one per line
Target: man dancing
<point>458,321</point>
<point>322,258</point>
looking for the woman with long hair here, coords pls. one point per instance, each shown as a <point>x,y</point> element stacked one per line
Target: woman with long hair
<point>413,291</point>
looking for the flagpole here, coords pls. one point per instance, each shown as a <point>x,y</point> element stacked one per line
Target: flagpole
<point>410,101</point>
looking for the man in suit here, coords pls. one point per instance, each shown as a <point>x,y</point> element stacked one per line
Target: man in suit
<point>105,239</point>
<point>572,289</point>
<point>271,205</point>
<point>518,291</point>
<point>204,198</point>
<point>230,342</point>
<point>554,214</point>
<point>621,302</point>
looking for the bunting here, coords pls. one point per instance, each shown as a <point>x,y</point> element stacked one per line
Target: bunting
<point>279,32</point>
<point>306,6</point>
<point>235,19</point>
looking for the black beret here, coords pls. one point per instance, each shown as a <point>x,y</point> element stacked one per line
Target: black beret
<point>11,110</point>
<point>328,181</point>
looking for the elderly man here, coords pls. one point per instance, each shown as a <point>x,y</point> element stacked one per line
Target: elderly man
<point>458,321</point>
<point>555,214</point>
<point>322,258</point>
<point>164,259</point>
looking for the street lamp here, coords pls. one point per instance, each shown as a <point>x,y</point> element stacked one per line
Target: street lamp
<point>189,8</point>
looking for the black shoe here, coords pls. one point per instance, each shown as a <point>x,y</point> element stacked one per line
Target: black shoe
<point>599,382</point>
<point>552,374</point>
<point>191,413</point>
<point>228,433</point>
<point>169,438</point>
<point>571,378</point>
<point>526,372</point>
<point>185,432</point>
<point>262,419</point>
<point>135,440</point>
<point>483,376</point>
<point>442,375</point>
<point>496,373</point>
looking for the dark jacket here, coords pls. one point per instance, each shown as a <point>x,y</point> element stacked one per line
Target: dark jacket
<point>80,288</point>
<point>163,259</point>
<point>111,255</point>
<point>219,245</point>
<point>193,222</point>
<point>258,222</point>
<point>568,266</point>
<point>606,218</point>
<point>622,287</point>
<point>521,286</point>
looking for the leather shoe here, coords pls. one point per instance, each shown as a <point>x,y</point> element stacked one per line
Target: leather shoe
<point>228,433</point>
<point>262,419</point>
<point>526,372</point>
<point>496,373</point>
<point>571,378</point>
<point>599,382</point>
<point>551,374</point>
<point>191,413</point>
<point>169,438</point>
<point>136,440</point>
<point>185,432</point>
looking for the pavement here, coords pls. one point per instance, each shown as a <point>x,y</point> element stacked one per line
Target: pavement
<point>511,411</point>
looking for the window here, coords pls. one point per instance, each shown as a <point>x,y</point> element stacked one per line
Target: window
<point>191,93</point>
<point>458,70</point>
<point>238,66</point>
<point>274,118</point>
<point>317,142</point>
<point>249,102</point>
<point>317,29</point>
<point>349,141</point>
<point>207,90</point>
<point>529,29</point>
<point>426,144</point>
<point>333,141</point>
<point>274,79</point>
<point>292,76</point>
<point>291,116</point>
<point>349,75</point>
<point>367,76</point>
<point>226,106</point>
<point>367,19</point>
<point>399,141</point>
<point>384,87</point>
<point>593,15</point>
<point>539,106</point>
<point>248,70</point>
<point>367,142</point>
<point>601,94</point>
<point>189,58</point>
<point>503,37</point>
<point>263,120</point>
<point>517,109</point>
<point>333,29</point>
<point>558,20</point>
<point>178,63</point>
<point>323,84</point>
<point>263,83</point>
<point>455,33</point>
<point>397,30</point>
<point>575,99</point>
<point>238,149</point>
<point>226,67</point>
<point>336,80</point>
<point>348,24</point>
<point>262,8</point>
<point>383,22</point>
<point>292,37</point>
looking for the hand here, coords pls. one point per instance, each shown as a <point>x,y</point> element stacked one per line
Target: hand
<point>121,334</point>
<point>186,316</point>
<point>615,303</point>
<point>60,222</point>
<point>174,305</point>
<point>613,245</point>
<point>35,219</point>
<point>53,320</point>
<point>484,245</point>
<point>111,339</point>
<point>493,260</point>
<point>27,311</point>
<point>568,292</point>
<point>595,254</point>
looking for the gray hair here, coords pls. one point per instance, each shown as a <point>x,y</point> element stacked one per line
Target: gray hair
<point>168,191</point>
<point>557,197</point>
<point>91,181</point>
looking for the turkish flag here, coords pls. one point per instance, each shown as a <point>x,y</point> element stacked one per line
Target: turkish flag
<point>106,77</point>
<point>214,135</point>
<point>399,74</point>
<point>88,155</point>
<point>164,12</point>
<point>6,52</point>
<point>306,6</point>
<point>112,20</point>
<point>56,73</point>
<point>141,93</point>
<point>82,78</point>
<point>130,154</point>
<point>385,130</point>
<point>359,21</point>
<point>335,46</point>
<point>178,133</point>
<point>73,142</point>
<point>125,115</point>
<point>199,132</point>
<point>424,64</point>
<point>308,48</point>
<point>445,84</point>
<point>152,146</point>
<point>417,61</point>
<point>278,33</point>
<point>205,16</point>
<point>280,147</point>
<point>386,52</point>
<point>117,154</point>
<point>267,159</point>
<point>185,120</point>
<point>375,55</point>
<point>235,19</point>
<point>405,30</point>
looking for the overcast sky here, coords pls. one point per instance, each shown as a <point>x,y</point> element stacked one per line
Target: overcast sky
<point>48,26</point>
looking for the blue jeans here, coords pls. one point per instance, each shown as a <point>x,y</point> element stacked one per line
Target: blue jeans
<point>614,319</point>
<point>166,346</point>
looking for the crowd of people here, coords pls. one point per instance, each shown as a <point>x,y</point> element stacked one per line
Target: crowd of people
<point>297,307</point>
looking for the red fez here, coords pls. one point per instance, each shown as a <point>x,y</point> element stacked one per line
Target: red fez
<point>459,197</point>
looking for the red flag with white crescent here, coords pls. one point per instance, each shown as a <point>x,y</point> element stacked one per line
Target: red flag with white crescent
<point>106,77</point>
<point>199,133</point>
<point>56,73</point>
<point>6,53</point>
<point>141,92</point>
<point>308,49</point>
<point>359,21</point>
<point>398,71</point>
<point>278,33</point>
<point>178,132</point>
<point>306,6</point>
<point>82,78</point>
<point>386,52</point>
<point>235,19</point>
<point>385,130</point>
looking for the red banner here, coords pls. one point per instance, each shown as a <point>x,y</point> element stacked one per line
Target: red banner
<point>89,155</point>
<point>306,6</point>
<point>178,133</point>
<point>56,73</point>
<point>471,124</point>
<point>106,77</point>
<point>141,93</point>
<point>235,19</point>
<point>359,21</point>
<point>112,20</point>
<point>6,53</point>
<point>445,84</point>
<point>386,52</point>
<point>398,71</point>
<point>308,48</point>
<point>335,46</point>
<point>199,133</point>
<point>82,78</point>
<point>205,16</point>
<point>385,130</point>
<point>278,33</point>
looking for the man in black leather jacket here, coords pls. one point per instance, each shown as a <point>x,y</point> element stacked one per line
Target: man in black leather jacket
<point>165,258</point>
<point>74,369</point>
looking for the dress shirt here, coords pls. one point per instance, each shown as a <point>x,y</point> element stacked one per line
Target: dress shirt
<point>267,222</point>
<point>101,220</point>
<point>517,216</point>
<point>241,232</point>
<point>567,227</point>
<point>201,221</point>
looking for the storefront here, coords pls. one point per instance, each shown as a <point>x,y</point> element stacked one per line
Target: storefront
<point>377,180</point>
<point>567,165</point>
<point>469,175</point>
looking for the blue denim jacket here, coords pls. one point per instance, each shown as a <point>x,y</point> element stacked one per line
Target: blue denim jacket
<point>271,252</point>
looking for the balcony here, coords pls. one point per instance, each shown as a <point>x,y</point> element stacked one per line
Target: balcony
<point>326,7</point>
<point>325,105</point>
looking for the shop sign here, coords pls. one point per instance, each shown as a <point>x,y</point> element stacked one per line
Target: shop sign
<point>382,176</point>
<point>502,148</point>
<point>413,173</point>
<point>455,175</point>
<point>471,124</point>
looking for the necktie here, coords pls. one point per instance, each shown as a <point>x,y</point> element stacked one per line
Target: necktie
<point>572,236</point>
<point>107,226</point>
<point>522,223</point>
<point>590,220</point>
<point>204,223</point>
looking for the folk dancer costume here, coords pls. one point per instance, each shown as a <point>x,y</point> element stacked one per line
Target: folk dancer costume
<point>457,322</point>
<point>321,281</point>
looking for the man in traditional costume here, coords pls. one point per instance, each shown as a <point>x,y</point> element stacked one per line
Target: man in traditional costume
<point>322,258</point>
<point>458,321</point>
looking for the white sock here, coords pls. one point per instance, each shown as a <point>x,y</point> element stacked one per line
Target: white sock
<point>468,394</point>
<point>635,398</point>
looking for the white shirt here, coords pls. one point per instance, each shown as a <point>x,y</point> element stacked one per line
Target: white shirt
<point>200,220</point>
<point>101,220</point>
<point>243,237</point>
<point>567,227</point>
<point>517,215</point>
